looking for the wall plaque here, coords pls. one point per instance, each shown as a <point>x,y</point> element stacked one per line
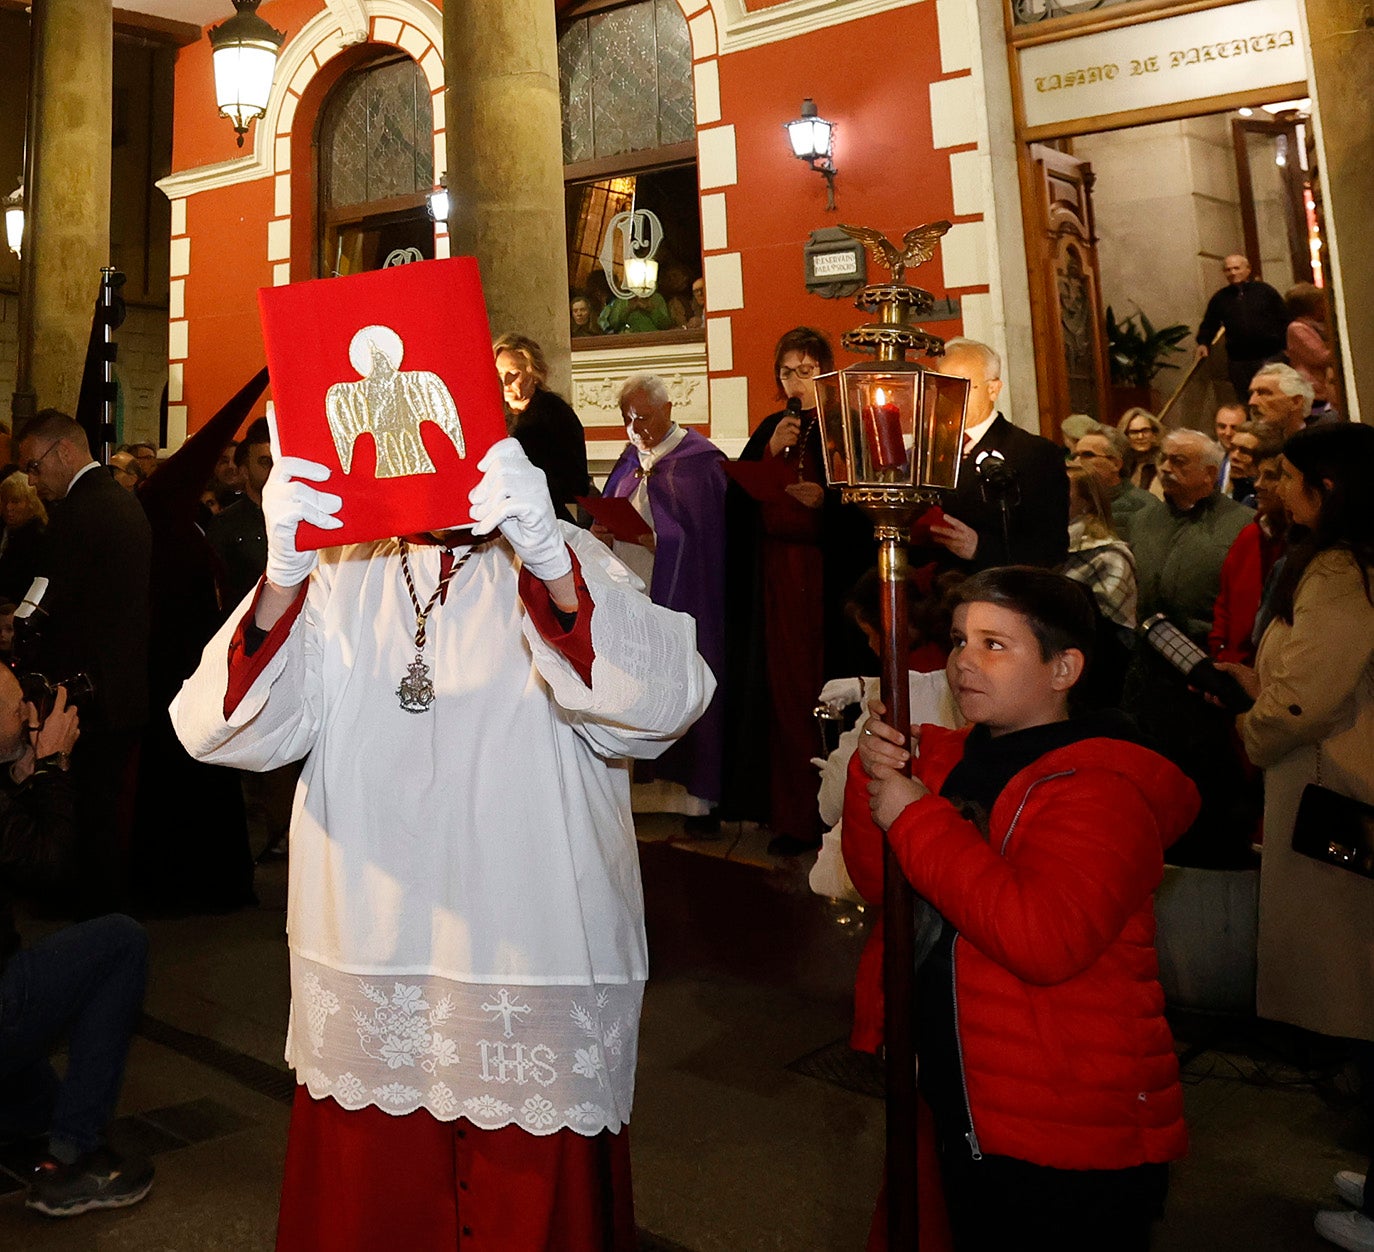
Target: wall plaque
<point>1194,56</point>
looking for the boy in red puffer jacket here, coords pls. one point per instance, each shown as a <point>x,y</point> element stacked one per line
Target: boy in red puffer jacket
<point>1035,840</point>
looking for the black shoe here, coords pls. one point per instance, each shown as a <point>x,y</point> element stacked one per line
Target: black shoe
<point>790,845</point>
<point>98,1180</point>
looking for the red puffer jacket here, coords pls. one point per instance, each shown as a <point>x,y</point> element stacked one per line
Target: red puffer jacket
<point>1067,1058</point>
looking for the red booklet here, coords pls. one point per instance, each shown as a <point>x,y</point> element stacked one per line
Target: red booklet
<point>765,480</point>
<point>387,378</point>
<point>617,515</point>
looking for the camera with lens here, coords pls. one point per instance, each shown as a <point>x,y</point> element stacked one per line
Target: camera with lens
<point>41,691</point>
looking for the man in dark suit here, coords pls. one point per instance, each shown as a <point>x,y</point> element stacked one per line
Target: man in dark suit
<point>93,620</point>
<point>1012,503</point>
<point>1255,318</point>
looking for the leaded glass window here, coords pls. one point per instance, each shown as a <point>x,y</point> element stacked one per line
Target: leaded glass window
<point>626,81</point>
<point>377,136</point>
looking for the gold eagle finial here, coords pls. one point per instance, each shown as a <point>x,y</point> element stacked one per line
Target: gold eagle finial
<point>918,246</point>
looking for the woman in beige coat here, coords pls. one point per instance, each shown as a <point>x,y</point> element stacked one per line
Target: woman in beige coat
<point>1314,718</point>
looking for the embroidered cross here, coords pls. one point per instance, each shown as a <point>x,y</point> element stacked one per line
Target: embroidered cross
<point>505,1008</point>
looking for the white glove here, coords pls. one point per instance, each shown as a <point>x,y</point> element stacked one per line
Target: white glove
<point>842,692</point>
<point>513,497</point>
<point>287,501</point>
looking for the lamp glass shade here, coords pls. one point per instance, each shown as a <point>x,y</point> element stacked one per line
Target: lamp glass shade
<point>243,80</point>
<point>834,433</point>
<point>14,227</point>
<point>439,204</point>
<point>892,424</point>
<point>641,275</point>
<point>810,137</point>
<point>944,406</point>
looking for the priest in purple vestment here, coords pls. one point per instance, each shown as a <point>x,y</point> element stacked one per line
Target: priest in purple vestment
<point>675,478</point>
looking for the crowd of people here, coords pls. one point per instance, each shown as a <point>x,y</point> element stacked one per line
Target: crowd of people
<point>684,618</point>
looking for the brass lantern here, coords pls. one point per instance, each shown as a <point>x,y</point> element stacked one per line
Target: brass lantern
<point>244,51</point>
<point>894,435</point>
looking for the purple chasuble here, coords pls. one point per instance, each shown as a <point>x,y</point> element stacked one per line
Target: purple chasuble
<point>687,500</point>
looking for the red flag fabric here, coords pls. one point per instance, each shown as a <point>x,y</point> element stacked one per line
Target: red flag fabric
<point>387,378</point>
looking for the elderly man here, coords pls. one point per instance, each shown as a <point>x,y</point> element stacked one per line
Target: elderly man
<point>1012,503</point>
<point>1255,319</point>
<point>144,453</point>
<point>1104,453</point>
<point>1180,544</point>
<point>1279,394</point>
<point>675,480</point>
<point>96,555</point>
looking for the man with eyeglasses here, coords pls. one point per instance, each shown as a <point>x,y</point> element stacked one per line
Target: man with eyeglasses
<point>96,557</point>
<point>1104,453</point>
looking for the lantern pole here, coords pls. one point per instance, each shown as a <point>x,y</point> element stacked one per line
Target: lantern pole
<point>892,505</point>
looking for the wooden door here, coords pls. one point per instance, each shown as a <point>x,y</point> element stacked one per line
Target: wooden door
<point>1066,289</point>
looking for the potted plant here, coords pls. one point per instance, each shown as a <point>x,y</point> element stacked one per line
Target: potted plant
<point>1136,350</point>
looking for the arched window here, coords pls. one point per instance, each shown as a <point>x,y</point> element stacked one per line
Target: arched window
<point>376,166</point>
<point>629,142</point>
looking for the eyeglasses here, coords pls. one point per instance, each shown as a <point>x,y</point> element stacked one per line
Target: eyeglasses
<point>31,467</point>
<point>801,371</point>
<point>1081,455</point>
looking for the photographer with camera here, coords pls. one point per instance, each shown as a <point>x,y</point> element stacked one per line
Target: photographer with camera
<point>83,984</point>
<point>1012,503</point>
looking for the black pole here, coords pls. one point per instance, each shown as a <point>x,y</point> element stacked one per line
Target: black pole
<point>899,939</point>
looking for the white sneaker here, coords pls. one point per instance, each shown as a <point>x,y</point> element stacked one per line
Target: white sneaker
<point>1350,1187</point>
<point>1352,1231</point>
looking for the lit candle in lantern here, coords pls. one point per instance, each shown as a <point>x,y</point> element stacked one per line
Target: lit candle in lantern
<point>883,432</point>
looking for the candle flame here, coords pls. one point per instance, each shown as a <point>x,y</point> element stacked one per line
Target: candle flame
<point>880,395</point>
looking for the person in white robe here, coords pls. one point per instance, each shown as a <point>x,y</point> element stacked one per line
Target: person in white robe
<point>465,916</point>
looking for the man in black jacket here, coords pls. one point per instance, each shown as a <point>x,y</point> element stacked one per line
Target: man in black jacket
<point>1256,322</point>
<point>1012,503</point>
<point>94,619</point>
<point>84,983</point>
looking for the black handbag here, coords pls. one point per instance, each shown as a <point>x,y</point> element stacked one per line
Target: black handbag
<point>1334,829</point>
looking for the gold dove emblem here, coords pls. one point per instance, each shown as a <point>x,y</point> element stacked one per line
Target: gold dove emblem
<point>918,246</point>
<point>389,404</point>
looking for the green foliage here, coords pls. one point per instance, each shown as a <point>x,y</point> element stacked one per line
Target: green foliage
<point>1137,350</point>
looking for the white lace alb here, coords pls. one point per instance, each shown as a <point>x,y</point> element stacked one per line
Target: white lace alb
<point>543,1058</point>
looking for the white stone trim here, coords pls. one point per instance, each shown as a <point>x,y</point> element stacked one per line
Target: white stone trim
<point>317,41</point>
<point>176,373</point>
<point>730,410</point>
<point>178,218</point>
<point>720,344</point>
<point>706,91</point>
<point>179,257</point>
<point>715,234</point>
<point>352,18</point>
<point>954,114</point>
<point>717,164</point>
<point>738,28</point>
<point>724,282</point>
<point>598,374</point>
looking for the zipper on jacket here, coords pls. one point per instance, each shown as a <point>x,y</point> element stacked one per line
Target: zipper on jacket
<point>972,1137</point>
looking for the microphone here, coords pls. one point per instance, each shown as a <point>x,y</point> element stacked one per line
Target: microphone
<point>793,408</point>
<point>997,480</point>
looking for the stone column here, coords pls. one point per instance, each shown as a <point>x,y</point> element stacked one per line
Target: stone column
<point>69,230</point>
<point>1341,35</point>
<point>505,165</point>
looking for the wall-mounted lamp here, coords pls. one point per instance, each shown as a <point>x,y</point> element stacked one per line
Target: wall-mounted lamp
<point>812,139</point>
<point>640,234</point>
<point>14,219</point>
<point>245,55</point>
<point>437,201</point>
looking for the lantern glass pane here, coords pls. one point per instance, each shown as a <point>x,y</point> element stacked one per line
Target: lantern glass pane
<point>799,133</point>
<point>834,438</point>
<point>944,402</point>
<point>14,228</point>
<point>641,275</point>
<point>820,137</point>
<point>243,80</point>
<point>880,411</point>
